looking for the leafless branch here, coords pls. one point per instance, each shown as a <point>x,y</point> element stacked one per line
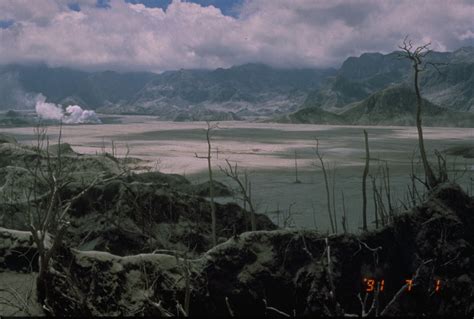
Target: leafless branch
<point>284,314</point>
<point>229,308</point>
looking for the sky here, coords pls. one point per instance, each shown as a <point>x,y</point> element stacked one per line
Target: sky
<point>160,35</point>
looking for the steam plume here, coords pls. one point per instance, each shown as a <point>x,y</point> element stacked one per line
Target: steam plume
<point>74,114</point>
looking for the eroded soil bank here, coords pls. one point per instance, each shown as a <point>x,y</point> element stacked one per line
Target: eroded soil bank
<point>297,272</point>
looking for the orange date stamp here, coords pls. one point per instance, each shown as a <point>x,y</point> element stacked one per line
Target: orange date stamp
<point>372,284</point>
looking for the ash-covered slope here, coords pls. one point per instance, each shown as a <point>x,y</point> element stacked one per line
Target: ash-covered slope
<point>250,89</point>
<point>449,85</point>
<point>297,272</point>
<point>453,86</point>
<point>312,116</point>
<point>392,106</point>
<point>397,106</point>
<point>245,90</point>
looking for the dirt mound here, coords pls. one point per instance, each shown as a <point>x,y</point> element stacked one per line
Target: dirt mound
<point>129,217</point>
<point>124,217</point>
<point>17,251</point>
<point>63,149</point>
<point>19,162</point>
<point>173,180</point>
<point>130,214</point>
<point>297,272</point>
<point>5,138</point>
<point>180,183</point>
<point>202,189</point>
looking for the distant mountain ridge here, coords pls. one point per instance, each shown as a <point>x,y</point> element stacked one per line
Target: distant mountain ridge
<point>250,90</point>
<point>395,105</point>
<point>449,85</point>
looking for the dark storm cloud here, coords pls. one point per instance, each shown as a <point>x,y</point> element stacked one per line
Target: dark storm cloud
<point>352,14</point>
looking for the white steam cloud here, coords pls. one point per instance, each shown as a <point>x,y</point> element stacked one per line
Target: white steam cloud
<point>74,114</point>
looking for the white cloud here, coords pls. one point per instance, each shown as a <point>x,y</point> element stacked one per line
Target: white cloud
<point>186,35</point>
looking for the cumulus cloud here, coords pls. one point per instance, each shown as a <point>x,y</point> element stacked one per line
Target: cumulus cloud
<point>74,114</point>
<point>297,33</point>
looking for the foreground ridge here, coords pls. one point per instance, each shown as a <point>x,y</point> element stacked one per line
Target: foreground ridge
<point>294,272</point>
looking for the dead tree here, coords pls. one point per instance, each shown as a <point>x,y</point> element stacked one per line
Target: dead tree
<point>297,181</point>
<point>48,215</point>
<point>344,215</point>
<point>326,182</point>
<point>334,196</point>
<point>49,218</point>
<point>364,183</point>
<point>386,183</point>
<point>416,56</point>
<point>244,188</point>
<point>209,129</point>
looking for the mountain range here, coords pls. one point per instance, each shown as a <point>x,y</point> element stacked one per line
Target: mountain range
<point>449,83</point>
<point>373,88</point>
<point>395,105</point>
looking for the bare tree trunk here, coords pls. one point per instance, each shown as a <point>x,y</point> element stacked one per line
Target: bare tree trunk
<point>328,195</point>
<point>374,191</point>
<point>211,181</point>
<point>252,210</point>
<point>334,196</point>
<point>364,182</point>
<point>386,179</point>
<point>50,222</point>
<point>344,216</point>
<point>326,182</point>
<point>431,179</point>
<point>187,280</point>
<point>211,188</point>
<point>297,181</point>
<point>416,56</point>
<point>245,188</point>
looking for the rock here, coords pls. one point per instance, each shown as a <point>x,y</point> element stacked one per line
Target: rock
<point>289,270</point>
<point>17,251</point>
